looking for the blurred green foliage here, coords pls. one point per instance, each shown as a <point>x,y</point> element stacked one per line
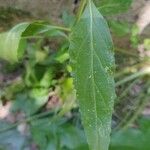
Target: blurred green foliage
<point>44,73</point>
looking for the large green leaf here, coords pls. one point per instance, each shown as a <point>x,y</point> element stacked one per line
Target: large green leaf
<point>92,60</point>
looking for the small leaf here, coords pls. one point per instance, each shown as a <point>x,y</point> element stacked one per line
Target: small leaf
<point>12,43</point>
<point>92,60</point>
<point>30,101</point>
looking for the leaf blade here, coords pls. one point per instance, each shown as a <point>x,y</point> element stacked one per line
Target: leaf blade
<point>13,42</point>
<point>10,41</point>
<point>92,67</point>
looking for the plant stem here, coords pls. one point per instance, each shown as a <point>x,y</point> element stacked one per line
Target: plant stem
<point>81,8</point>
<point>136,114</point>
<point>126,52</point>
<point>55,27</point>
<point>62,28</point>
<point>133,76</point>
<point>128,114</point>
<point>32,37</point>
<point>126,90</point>
<point>132,69</point>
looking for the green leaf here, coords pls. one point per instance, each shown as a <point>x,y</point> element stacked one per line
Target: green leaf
<point>119,28</point>
<point>11,139</point>
<point>92,60</point>
<point>30,101</point>
<point>110,7</point>
<point>12,43</point>
<point>129,139</point>
<point>57,135</point>
<point>132,138</point>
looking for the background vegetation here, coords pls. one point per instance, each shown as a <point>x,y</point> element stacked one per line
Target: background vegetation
<point>38,108</point>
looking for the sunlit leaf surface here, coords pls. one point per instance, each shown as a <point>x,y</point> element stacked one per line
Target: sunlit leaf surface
<point>11,45</point>
<point>13,42</point>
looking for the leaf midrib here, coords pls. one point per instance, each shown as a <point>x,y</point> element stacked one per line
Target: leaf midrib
<point>92,62</point>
